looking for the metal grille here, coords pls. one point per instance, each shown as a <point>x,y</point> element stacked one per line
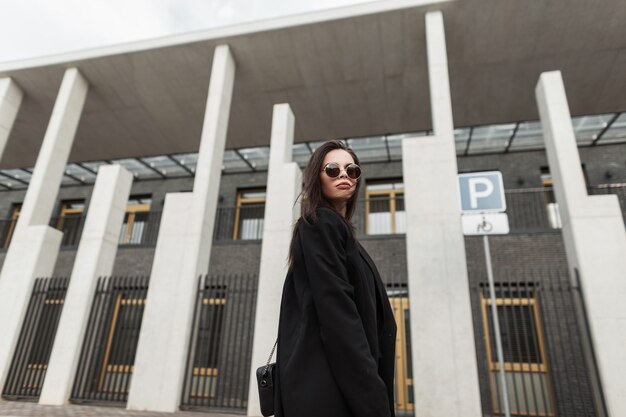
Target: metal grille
<point>32,353</point>
<point>546,368</point>
<point>106,363</point>
<point>218,366</point>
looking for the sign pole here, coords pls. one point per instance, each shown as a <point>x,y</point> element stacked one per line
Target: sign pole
<point>496,328</point>
<point>483,204</point>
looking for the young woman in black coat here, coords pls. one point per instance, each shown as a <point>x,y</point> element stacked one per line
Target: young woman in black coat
<point>337,333</point>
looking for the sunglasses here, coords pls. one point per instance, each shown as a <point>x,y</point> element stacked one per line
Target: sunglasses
<point>333,170</point>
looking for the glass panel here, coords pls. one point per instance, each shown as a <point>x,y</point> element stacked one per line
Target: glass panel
<point>190,160</point>
<point>518,333</point>
<point>18,174</point>
<point>492,138</point>
<point>139,225</point>
<point>16,185</point>
<point>395,143</point>
<point>587,128</point>
<point>400,214</point>
<point>138,200</point>
<point>258,157</point>
<point>460,139</point>
<point>301,154</point>
<point>529,136</point>
<point>369,149</point>
<point>94,165</point>
<point>80,173</point>
<point>379,216</point>
<point>527,392</point>
<point>139,170</point>
<point>65,180</point>
<point>617,131</point>
<point>253,194</point>
<point>233,163</point>
<point>385,186</point>
<point>165,166</point>
<point>251,221</point>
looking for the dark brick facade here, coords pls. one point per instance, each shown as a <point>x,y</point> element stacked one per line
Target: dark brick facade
<point>512,255</point>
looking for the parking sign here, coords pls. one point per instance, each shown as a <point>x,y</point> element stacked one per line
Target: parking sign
<point>482,192</point>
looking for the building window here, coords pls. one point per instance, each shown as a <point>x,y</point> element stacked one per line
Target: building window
<point>70,221</point>
<point>123,334</point>
<point>249,215</point>
<point>135,220</point>
<point>525,365</point>
<point>8,226</point>
<point>205,368</point>
<point>384,208</point>
<point>403,382</point>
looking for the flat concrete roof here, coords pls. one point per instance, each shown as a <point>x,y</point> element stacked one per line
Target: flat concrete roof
<point>347,72</point>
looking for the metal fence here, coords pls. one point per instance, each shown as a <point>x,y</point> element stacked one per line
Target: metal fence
<point>239,223</point>
<point>144,230</point>
<point>107,357</point>
<point>34,345</point>
<point>546,368</point>
<point>219,359</point>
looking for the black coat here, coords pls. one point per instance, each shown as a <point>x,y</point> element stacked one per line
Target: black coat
<point>337,333</point>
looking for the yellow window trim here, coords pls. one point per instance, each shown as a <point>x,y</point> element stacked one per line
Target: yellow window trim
<point>107,367</point>
<point>131,211</point>
<point>403,382</point>
<point>241,201</point>
<point>392,204</point>
<point>514,366</point>
<point>14,215</point>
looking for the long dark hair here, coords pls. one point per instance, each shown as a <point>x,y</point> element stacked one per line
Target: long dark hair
<point>312,196</point>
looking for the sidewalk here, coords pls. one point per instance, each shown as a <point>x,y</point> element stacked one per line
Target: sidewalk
<point>28,409</point>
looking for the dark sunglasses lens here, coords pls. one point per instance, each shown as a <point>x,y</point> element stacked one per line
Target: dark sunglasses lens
<point>332,170</point>
<point>353,171</point>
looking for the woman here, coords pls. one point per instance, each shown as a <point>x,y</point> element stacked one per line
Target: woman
<point>336,334</point>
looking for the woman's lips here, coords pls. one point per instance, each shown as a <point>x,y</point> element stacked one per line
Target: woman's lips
<point>344,186</point>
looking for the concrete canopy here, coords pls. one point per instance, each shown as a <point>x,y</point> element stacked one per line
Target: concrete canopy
<point>356,71</point>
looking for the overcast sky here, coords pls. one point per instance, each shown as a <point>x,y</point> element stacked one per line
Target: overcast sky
<point>34,28</point>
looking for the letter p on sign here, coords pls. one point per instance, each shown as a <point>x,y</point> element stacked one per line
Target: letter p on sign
<point>482,192</point>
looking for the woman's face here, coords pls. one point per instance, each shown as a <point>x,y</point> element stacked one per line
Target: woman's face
<point>338,190</point>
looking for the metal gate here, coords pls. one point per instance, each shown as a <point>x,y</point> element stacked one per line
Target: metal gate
<point>220,352</point>
<point>546,369</point>
<point>34,345</point>
<point>108,354</point>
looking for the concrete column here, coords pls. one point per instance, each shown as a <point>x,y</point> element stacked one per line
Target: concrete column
<point>445,372</point>
<point>284,184</point>
<point>35,246</point>
<point>595,241</point>
<point>10,101</point>
<point>182,254</point>
<point>94,258</point>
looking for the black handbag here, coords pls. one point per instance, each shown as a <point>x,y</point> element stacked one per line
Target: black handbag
<point>265,376</point>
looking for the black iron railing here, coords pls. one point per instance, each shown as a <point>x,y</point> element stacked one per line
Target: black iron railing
<point>34,345</point>
<point>107,358</point>
<point>545,367</point>
<point>218,366</point>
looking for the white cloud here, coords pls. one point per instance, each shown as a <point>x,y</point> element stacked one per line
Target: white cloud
<point>33,28</point>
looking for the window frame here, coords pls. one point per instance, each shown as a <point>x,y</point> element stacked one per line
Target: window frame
<point>242,201</point>
<point>534,368</point>
<point>392,195</point>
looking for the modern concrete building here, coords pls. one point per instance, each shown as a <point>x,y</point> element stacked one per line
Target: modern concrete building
<point>148,193</point>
